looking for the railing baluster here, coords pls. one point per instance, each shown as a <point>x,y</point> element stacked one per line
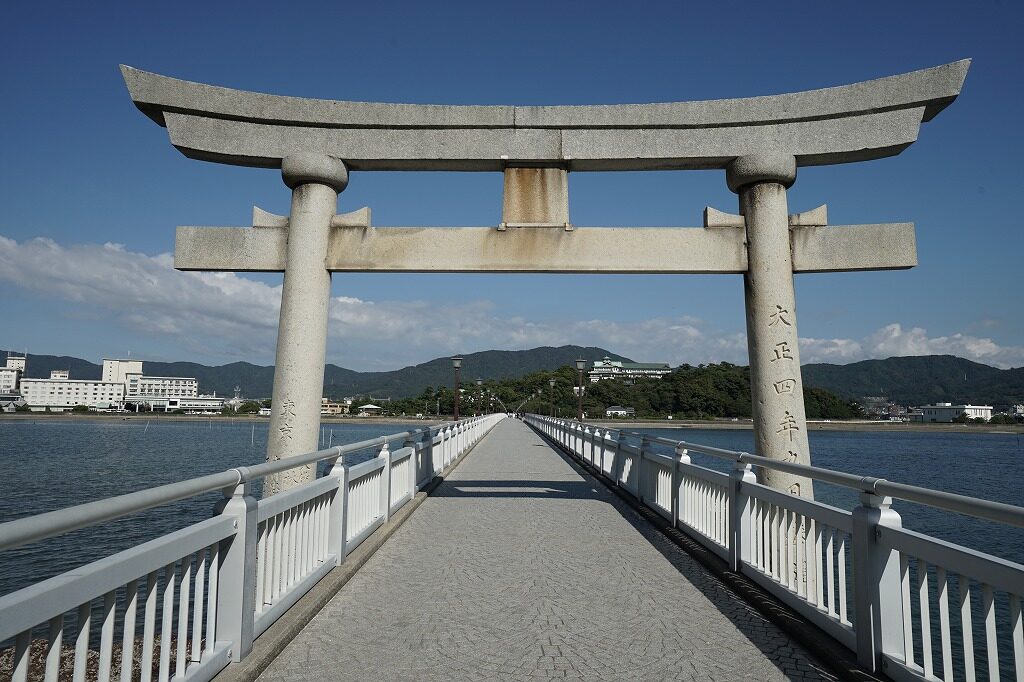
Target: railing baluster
<point>908,623</point>
<point>830,572</point>
<point>82,641</point>
<point>166,623</point>
<point>212,598</point>
<point>924,601</point>
<point>1017,635</point>
<point>54,645</point>
<point>107,636</point>
<point>181,654</point>
<point>262,536</point>
<point>197,611</point>
<point>942,592</point>
<point>22,645</point>
<point>967,629</point>
<point>841,567</point>
<point>149,628</point>
<point>991,643</point>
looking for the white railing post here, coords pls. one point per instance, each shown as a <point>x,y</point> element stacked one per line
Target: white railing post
<point>608,450</point>
<point>640,469</point>
<point>587,445</point>
<point>385,481</point>
<point>877,589</point>
<point>236,598</point>
<point>426,459</point>
<point>740,508</point>
<point>617,459</point>
<point>682,457</point>
<point>338,512</point>
<point>411,443</point>
<point>596,449</point>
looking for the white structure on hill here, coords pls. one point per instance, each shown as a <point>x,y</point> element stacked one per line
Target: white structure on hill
<point>614,369</point>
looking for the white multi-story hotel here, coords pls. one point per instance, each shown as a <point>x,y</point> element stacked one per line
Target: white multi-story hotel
<point>141,386</point>
<point>122,382</point>
<point>118,370</point>
<point>10,374</point>
<point>60,393</point>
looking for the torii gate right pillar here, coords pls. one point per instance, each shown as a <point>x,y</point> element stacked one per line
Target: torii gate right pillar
<point>780,423</point>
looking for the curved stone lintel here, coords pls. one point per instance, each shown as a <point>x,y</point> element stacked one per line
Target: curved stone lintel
<point>838,140</point>
<point>414,136</point>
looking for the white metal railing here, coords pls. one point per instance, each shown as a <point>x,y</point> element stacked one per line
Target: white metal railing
<point>908,604</point>
<point>186,604</point>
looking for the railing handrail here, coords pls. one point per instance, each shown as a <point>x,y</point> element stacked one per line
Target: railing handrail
<point>990,510</point>
<point>60,521</point>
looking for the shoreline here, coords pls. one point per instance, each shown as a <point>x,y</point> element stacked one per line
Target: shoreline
<point>859,426</point>
<point>741,425</point>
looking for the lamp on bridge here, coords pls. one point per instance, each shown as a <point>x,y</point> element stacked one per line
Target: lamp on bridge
<point>479,397</point>
<point>551,383</point>
<point>457,364</point>
<point>581,364</point>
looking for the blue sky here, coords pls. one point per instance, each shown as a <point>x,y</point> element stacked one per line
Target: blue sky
<point>92,190</point>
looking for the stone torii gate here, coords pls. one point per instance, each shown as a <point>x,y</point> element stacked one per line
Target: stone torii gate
<point>759,142</point>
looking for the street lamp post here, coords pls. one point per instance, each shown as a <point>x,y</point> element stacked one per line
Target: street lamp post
<point>551,412</point>
<point>580,366</point>
<point>457,364</point>
<point>478,402</point>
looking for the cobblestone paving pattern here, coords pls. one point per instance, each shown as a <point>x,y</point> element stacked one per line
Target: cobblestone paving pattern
<point>519,567</point>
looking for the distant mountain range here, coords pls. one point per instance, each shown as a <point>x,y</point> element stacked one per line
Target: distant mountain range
<point>915,380</point>
<point>257,381</point>
<point>920,380</point>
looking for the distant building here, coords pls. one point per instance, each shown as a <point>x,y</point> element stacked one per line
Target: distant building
<point>139,386</point>
<point>118,370</point>
<point>196,404</point>
<point>60,393</point>
<point>607,368</point>
<point>10,374</point>
<point>330,408</point>
<point>947,412</point>
<point>620,411</point>
<point>123,382</point>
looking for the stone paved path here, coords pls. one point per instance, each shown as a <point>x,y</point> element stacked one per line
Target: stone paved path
<point>520,567</point>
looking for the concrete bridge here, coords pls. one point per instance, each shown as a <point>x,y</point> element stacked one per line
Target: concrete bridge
<point>498,548</point>
<point>522,565</point>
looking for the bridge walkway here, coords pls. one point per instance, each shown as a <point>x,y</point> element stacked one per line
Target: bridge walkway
<point>521,565</point>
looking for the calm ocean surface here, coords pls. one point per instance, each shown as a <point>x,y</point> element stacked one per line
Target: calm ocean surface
<point>51,464</point>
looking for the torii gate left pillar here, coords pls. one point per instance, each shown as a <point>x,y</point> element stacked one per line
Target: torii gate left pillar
<point>315,181</point>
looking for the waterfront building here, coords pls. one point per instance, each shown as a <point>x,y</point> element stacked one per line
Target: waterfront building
<point>202,404</point>
<point>620,411</point>
<point>118,370</point>
<point>60,393</point>
<point>140,386</point>
<point>330,408</point>
<point>10,374</point>
<point>607,368</point>
<point>947,412</point>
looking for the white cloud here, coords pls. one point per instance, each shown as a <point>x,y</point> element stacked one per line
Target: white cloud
<point>224,317</point>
